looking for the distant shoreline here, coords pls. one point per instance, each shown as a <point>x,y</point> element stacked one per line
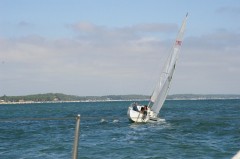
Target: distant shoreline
<point>87,101</point>
<point>62,98</point>
<point>52,102</point>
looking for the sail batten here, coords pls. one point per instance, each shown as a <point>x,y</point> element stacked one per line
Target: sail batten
<point>161,90</point>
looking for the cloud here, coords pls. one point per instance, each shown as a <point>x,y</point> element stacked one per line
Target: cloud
<point>89,30</point>
<point>76,63</point>
<point>100,60</point>
<point>229,10</point>
<point>210,64</point>
<point>24,24</point>
<point>88,27</point>
<point>155,27</point>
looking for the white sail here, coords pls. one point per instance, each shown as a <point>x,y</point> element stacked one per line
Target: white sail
<point>161,90</point>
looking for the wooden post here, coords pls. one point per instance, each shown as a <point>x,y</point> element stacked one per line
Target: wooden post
<point>76,138</point>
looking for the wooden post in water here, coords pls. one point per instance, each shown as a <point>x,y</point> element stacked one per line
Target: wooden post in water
<point>76,138</point>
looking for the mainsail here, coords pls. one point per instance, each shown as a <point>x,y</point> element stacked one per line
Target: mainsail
<point>161,90</point>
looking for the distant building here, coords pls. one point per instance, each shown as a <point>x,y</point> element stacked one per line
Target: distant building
<point>21,101</point>
<point>56,99</point>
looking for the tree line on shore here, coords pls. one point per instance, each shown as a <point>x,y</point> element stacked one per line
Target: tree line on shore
<point>63,97</point>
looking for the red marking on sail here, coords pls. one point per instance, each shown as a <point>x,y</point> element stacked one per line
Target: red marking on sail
<point>178,42</point>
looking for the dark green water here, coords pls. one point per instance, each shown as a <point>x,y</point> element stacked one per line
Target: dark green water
<point>191,129</point>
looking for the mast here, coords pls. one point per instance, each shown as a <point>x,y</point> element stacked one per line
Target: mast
<point>161,90</point>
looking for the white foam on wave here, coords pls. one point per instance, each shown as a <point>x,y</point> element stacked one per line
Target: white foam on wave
<point>115,121</point>
<point>103,120</point>
<point>158,121</point>
<point>160,124</point>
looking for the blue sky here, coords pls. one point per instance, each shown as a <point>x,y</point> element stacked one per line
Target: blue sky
<point>117,47</point>
<point>51,18</point>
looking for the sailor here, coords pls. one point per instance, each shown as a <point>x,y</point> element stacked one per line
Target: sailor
<point>145,107</point>
<point>145,110</point>
<point>135,108</point>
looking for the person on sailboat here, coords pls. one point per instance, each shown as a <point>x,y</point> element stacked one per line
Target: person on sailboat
<point>145,107</point>
<point>145,110</point>
<point>135,108</point>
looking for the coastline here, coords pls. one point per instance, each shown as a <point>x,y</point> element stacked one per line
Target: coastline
<point>78,101</point>
<point>93,101</point>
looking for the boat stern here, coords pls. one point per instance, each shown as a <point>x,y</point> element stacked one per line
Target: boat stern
<point>137,116</point>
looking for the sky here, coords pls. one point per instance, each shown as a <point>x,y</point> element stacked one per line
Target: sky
<point>113,47</point>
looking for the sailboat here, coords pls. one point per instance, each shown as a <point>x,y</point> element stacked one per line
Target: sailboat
<point>150,112</point>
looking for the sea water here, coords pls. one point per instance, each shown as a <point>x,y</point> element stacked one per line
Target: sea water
<point>195,129</point>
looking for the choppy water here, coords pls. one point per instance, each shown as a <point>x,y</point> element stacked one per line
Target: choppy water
<point>190,129</point>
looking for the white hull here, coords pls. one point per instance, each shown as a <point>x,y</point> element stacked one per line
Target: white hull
<point>140,117</point>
